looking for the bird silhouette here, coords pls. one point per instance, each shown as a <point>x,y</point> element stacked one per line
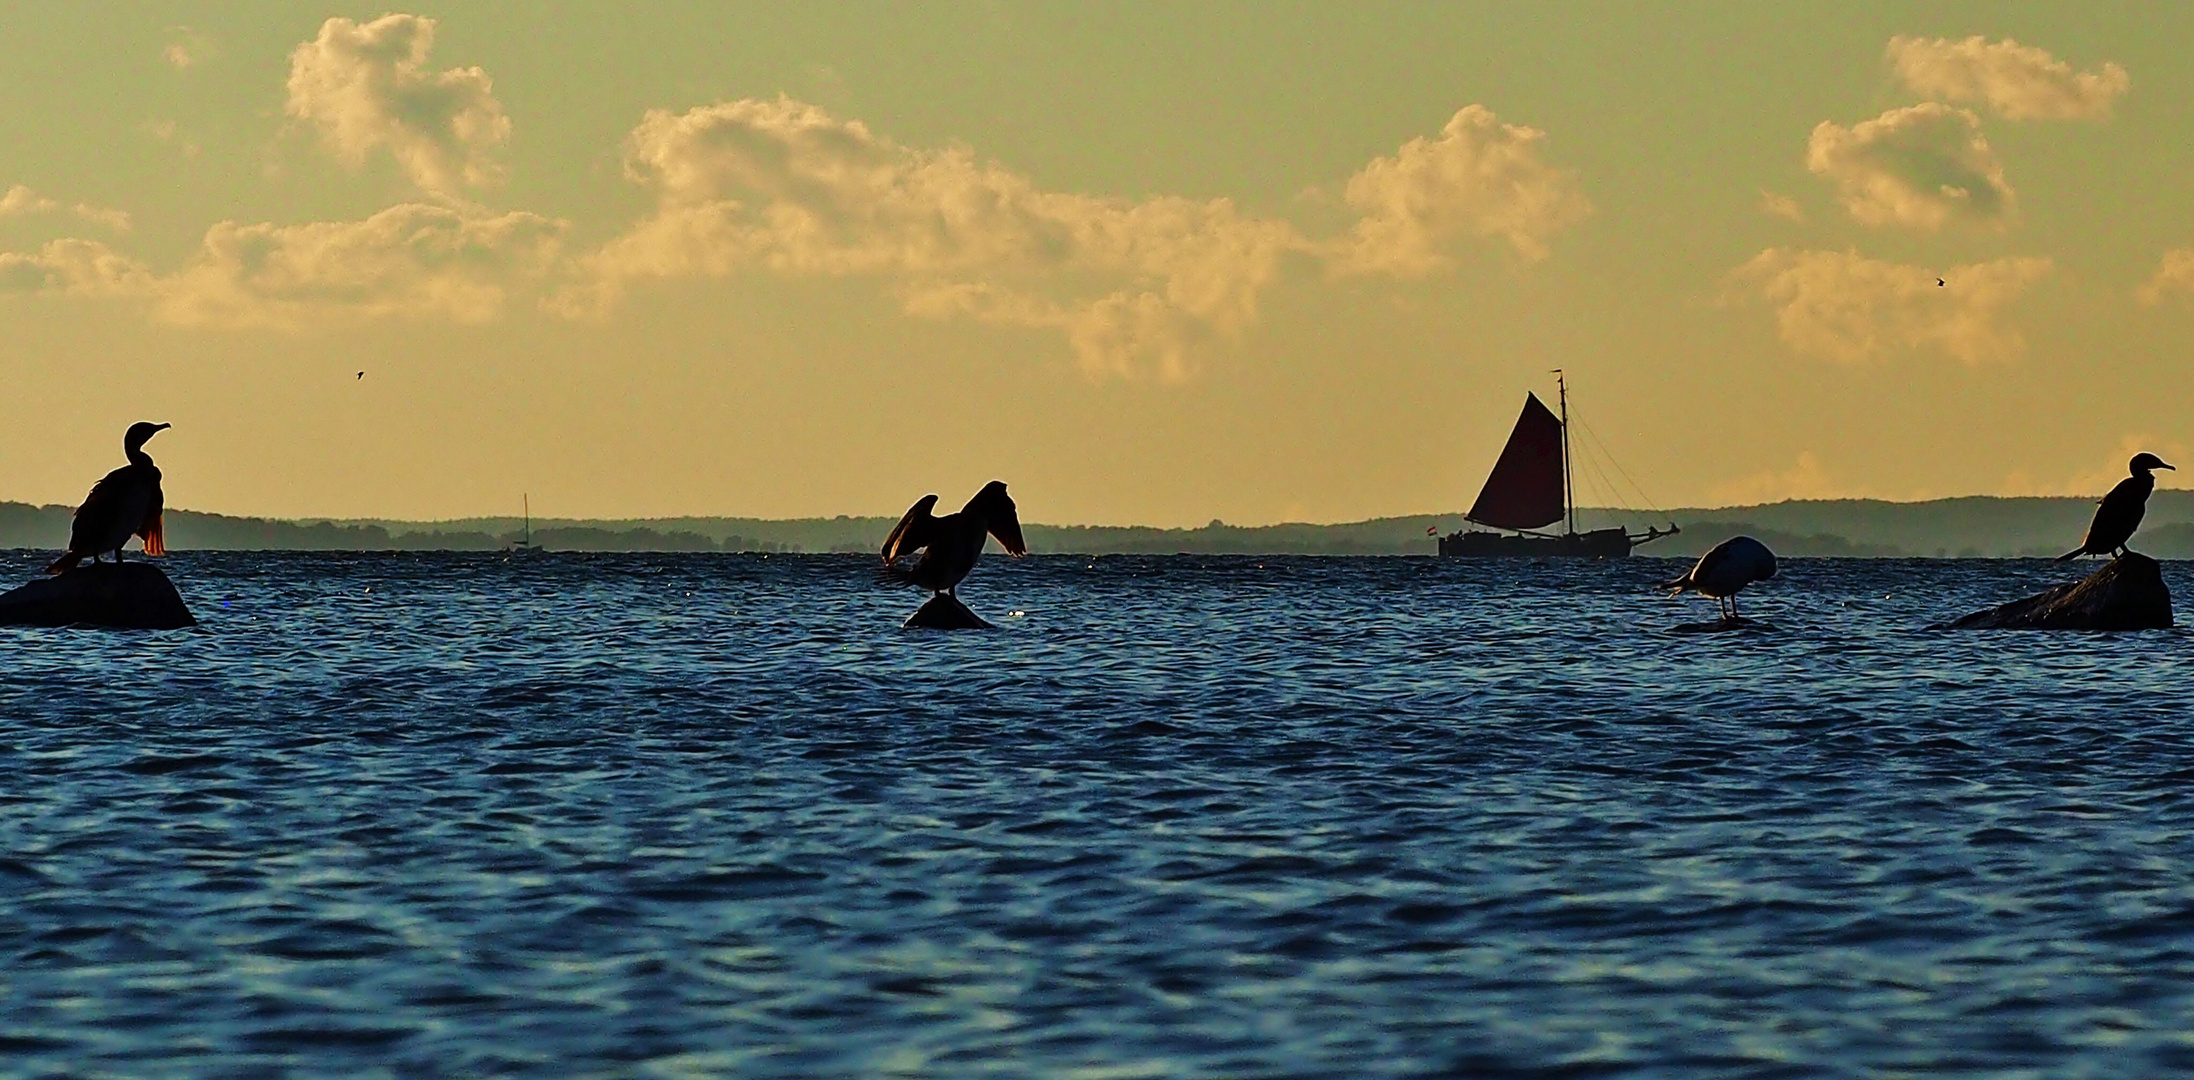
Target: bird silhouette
<point>361,374</point>
<point>1725,570</point>
<point>124,503</point>
<point>950,544</point>
<point>1939,283</point>
<point>2120,511</point>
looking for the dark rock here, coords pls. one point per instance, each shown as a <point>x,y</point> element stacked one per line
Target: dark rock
<point>945,612</point>
<point>124,596</point>
<point>2128,593</point>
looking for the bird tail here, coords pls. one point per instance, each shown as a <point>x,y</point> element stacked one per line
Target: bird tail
<point>2072,554</point>
<point>65,563</point>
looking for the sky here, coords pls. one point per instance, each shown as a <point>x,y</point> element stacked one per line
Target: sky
<point>1149,263</point>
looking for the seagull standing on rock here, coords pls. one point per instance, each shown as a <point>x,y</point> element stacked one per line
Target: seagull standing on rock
<point>1725,570</point>
<point>2120,511</point>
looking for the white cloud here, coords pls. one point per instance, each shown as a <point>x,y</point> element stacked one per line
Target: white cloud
<point>2106,471</point>
<point>2174,276</point>
<point>1806,478</point>
<point>1478,178</point>
<point>1782,206</point>
<point>2019,82</point>
<point>73,267</point>
<point>785,186</point>
<point>18,200</point>
<point>367,88</point>
<point>1921,166</point>
<point>188,48</point>
<point>410,261</point>
<point>1846,307</point>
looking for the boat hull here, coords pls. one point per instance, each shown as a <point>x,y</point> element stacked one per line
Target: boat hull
<point>1598,544</point>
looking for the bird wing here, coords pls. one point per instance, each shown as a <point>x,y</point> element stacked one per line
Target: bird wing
<point>1005,524</point>
<point>110,514</point>
<point>915,530</point>
<point>151,532</point>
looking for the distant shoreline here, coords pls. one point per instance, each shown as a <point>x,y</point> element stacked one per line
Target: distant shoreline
<point>1968,527</point>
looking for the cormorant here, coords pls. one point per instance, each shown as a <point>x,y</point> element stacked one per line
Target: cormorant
<point>125,503</point>
<point>950,544</point>
<point>2120,511</point>
<point>1725,570</point>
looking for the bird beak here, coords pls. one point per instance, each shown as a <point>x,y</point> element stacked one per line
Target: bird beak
<point>2161,465</point>
<point>164,427</point>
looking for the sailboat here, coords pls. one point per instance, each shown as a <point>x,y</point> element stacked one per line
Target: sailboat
<point>1529,489</point>
<point>525,546</point>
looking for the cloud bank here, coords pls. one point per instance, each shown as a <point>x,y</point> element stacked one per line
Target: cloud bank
<point>1920,167</point>
<point>1138,288</point>
<point>1842,306</point>
<point>367,87</point>
<point>2018,82</point>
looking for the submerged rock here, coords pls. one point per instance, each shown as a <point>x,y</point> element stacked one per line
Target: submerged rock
<point>2128,593</point>
<point>124,596</point>
<point>945,612</point>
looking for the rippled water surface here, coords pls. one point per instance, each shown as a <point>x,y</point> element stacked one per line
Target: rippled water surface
<point>577,816</point>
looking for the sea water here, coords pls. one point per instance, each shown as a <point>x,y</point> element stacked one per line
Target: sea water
<point>418,815</point>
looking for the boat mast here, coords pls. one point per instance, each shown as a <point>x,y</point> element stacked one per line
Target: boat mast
<point>1569,501</point>
<point>527,501</point>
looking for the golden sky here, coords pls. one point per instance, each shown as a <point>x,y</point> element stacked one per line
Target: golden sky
<point>1149,263</point>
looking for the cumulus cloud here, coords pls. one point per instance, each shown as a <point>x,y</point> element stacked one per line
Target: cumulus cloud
<point>410,261</point>
<point>785,186</point>
<point>1843,306</point>
<point>1139,288</point>
<point>1921,167</point>
<point>20,200</point>
<point>1782,206</point>
<point>367,87</point>
<point>73,267</point>
<point>2019,82</point>
<point>2104,470</point>
<point>1479,178</point>
<point>188,48</point>
<point>2174,276</point>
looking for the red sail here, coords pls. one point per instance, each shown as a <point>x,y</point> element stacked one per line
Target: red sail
<point>1525,490</point>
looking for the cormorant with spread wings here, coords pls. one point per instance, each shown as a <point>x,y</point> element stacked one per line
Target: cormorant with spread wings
<point>950,544</point>
<point>126,503</point>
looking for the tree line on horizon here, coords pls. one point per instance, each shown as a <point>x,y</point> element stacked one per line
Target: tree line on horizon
<point>1971,527</point>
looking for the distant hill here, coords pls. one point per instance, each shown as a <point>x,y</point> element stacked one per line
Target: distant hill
<point>1973,527</point>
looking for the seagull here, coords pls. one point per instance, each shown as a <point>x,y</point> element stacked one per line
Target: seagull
<point>1725,570</point>
<point>124,503</point>
<point>2120,511</point>
<point>950,544</point>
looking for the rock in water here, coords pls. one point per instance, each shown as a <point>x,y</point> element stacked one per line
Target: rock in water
<point>945,612</point>
<point>2128,593</point>
<point>124,596</point>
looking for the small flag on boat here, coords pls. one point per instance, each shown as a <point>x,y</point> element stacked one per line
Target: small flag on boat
<point>1432,530</point>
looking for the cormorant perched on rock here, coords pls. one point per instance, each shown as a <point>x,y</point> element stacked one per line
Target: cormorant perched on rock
<point>950,544</point>
<point>1725,570</point>
<point>2120,511</point>
<point>125,503</point>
